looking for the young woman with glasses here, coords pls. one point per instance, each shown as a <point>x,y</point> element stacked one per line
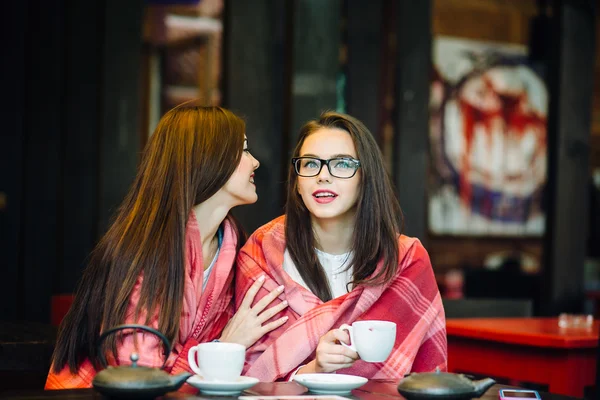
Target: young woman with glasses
<point>167,261</point>
<point>341,256</point>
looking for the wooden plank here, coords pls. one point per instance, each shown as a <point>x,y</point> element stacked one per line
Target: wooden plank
<point>412,124</point>
<point>363,70</point>
<point>43,128</point>
<point>79,157</point>
<point>315,70</point>
<point>571,76</point>
<point>256,88</point>
<point>11,155</point>
<point>119,138</point>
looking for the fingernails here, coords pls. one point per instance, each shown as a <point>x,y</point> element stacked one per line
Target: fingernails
<point>285,318</point>
<point>280,288</point>
<point>262,278</point>
<point>285,303</point>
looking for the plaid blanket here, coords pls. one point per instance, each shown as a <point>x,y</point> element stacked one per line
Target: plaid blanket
<point>203,317</point>
<point>412,300</point>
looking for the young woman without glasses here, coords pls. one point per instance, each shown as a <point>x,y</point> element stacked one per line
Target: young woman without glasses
<point>167,260</point>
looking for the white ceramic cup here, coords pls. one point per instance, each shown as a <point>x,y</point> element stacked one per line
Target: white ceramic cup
<point>217,361</point>
<point>372,340</point>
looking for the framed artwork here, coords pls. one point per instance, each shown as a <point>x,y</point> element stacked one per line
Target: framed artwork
<point>488,146</point>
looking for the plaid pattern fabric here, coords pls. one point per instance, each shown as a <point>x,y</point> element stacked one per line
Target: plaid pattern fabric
<point>203,317</point>
<point>411,300</point>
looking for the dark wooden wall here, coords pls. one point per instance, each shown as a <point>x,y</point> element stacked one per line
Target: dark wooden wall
<point>569,126</point>
<point>70,144</point>
<point>278,76</point>
<point>256,86</point>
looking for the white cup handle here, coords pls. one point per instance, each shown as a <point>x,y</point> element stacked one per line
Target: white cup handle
<point>192,361</point>
<point>346,327</point>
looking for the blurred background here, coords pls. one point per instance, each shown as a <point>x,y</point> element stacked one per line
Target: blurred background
<point>487,113</point>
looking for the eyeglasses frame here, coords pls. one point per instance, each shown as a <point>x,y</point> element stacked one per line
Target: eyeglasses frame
<point>326,162</point>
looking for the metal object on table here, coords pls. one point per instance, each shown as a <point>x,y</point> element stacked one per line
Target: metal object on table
<point>442,385</point>
<point>135,381</point>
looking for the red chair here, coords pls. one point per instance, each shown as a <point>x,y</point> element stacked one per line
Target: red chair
<point>59,306</point>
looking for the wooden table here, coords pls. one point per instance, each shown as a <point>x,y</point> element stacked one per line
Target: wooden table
<point>525,349</point>
<point>25,351</point>
<point>373,390</point>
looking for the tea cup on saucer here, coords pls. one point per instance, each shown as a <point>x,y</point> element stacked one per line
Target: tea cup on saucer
<point>373,340</point>
<point>217,361</point>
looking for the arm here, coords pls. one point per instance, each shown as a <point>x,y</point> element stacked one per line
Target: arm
<point>330,354</point>
<point>250,322</point>
<point>149,347</point>
<point>433,352</point>
<point>424,325</point>
<point>251,266</point>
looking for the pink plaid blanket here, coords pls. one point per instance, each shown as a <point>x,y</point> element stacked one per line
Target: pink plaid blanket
<point>203,317</point>
<point>412,300</point>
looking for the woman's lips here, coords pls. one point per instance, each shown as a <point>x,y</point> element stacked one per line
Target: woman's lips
<point>324,196</point>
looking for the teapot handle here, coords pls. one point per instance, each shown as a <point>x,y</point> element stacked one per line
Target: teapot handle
<point>133,326</point>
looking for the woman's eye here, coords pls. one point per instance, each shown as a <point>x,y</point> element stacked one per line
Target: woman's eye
<point>310,164</point>
<point>342,164</point>
<point>247,150</point>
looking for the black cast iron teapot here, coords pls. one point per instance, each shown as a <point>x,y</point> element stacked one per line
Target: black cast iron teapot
<point>132,381</point>
<point>442,386</point>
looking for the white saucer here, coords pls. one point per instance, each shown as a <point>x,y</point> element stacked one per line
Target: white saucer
<point>222,388</point>
<point>330,383</point>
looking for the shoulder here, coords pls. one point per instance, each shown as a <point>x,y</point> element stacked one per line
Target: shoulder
<point>269,238</point>
<point>272,229</point>
<point>411,251</point>
<point>415,269</point>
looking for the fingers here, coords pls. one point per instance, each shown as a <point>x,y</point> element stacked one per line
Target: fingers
<point>270,312</point>
<point>340,359</point>
<point>251,293</point>
<point>274,325</point>
<point>332,356</point>
<point>329,345</point>
<point>265,301</point>
<point>340,336</point>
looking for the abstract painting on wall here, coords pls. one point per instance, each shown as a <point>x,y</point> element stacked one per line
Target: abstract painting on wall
<point>488,145</point>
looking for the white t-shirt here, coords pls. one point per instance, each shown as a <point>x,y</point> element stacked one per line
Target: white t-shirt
<point>333,265</point>
<point>214,260</point>
<point>209,269</point>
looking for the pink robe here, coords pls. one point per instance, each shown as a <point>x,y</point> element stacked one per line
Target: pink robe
<point>203,317</point>
<point>411,300</point>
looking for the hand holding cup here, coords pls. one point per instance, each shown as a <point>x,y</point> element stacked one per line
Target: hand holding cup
<point>373,340</point>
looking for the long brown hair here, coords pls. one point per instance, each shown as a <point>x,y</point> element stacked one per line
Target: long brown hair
<point>378,215</point>
<point>190,156</point>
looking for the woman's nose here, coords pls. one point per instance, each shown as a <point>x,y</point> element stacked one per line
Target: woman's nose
<point>256,163</point>
<point>324,174</point>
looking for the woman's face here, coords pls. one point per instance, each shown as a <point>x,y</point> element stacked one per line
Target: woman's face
<point>240,185</point>
<point>327,197</point>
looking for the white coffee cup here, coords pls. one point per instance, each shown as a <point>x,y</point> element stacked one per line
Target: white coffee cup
<point>217,361</point>
<point>372,340</point>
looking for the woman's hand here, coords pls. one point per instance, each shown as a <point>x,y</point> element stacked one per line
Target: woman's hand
<point>246,326</point>
<point>331,355</point>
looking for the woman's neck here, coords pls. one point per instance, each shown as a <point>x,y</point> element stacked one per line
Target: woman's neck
<point>210,214</point>
<point>333,236</point>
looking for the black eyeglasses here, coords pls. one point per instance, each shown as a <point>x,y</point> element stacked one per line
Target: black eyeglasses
<point>340,167</point>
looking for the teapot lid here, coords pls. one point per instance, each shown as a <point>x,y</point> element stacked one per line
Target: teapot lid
<point>436,384</point>
<point>132,377</point>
